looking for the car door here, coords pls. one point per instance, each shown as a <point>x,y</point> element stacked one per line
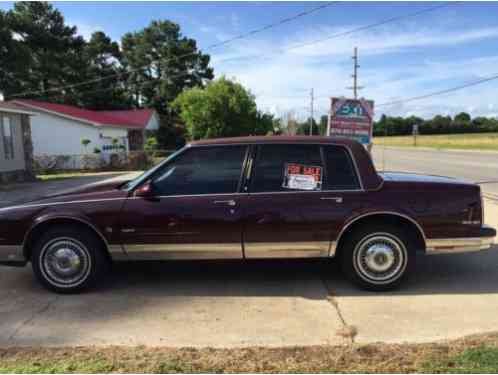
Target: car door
<point>196,210</point>
<point>294,207</point>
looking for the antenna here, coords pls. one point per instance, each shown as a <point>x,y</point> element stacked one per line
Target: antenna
<point>355,86</point>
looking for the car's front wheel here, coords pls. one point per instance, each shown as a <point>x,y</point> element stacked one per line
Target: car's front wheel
<point>68,259</point>
<point>377,257</point>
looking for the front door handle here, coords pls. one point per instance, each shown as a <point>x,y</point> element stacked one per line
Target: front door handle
<point>335,199</point>
<point>229,202</point>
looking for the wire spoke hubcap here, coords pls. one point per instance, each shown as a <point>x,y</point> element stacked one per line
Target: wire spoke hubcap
<point>65,262</point>
<point>380,258</point>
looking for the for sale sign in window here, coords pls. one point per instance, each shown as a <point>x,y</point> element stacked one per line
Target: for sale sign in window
<point>302,177</point>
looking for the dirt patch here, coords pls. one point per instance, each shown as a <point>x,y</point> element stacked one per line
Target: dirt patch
<point>400,358</point>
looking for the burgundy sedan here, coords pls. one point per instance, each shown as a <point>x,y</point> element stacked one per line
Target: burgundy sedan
<point>248,198</point>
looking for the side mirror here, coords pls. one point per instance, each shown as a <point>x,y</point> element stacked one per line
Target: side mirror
<point>146,191</point>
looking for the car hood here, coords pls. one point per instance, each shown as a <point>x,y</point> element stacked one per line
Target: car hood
<point>96,187</point>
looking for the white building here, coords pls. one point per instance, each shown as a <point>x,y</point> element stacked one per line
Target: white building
<point>59,129</point>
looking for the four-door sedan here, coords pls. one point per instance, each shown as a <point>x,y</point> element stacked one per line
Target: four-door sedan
<point>248,198</point>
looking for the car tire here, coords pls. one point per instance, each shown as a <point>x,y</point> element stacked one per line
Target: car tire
<point>69,259</point>
<point>377,257</point>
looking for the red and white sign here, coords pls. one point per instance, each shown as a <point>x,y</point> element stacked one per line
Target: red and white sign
<point>351,118</point>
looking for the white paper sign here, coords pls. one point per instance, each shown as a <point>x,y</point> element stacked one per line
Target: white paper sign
<point>302,182</point>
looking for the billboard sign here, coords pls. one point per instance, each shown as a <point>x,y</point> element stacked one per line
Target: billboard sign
<point>351,118</point>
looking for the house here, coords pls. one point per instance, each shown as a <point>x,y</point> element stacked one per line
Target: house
<point>16,150</point>
<point>59,129</point>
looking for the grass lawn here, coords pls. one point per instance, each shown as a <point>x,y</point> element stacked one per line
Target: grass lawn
<point>477,354</point>
<point>482,141</point>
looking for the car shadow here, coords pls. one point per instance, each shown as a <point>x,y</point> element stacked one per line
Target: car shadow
<point>472,273</point>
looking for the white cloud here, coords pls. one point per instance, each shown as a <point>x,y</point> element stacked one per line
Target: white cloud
<point>282,78</point>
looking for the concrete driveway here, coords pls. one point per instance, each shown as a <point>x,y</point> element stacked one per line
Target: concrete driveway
<point>270,303</point>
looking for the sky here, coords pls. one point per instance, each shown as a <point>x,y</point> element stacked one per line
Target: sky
<point>413,56</point>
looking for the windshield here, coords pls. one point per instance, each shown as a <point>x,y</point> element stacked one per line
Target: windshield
<point>130,185</point>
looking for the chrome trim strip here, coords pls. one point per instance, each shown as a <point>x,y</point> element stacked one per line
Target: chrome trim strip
<point>55,203</point>
<point>115,250</point>
<point>341,233</point>
<point>308,249</point>
<point>12,253</point>
<point>458,245</point>
<point>182,251</point>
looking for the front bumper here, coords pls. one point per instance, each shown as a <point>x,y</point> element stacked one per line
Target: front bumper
<point>462,245</point>
<point>11,255</point>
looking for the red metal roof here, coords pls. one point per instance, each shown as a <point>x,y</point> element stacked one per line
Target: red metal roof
<point>13,107</point>
<point>124,119</point>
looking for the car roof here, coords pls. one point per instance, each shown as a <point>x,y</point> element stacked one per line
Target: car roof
<point>297,139</point>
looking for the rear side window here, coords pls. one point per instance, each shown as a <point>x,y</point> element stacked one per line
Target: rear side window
<point>202,170</point>
<point>340,174</point>
<point>278,165</point>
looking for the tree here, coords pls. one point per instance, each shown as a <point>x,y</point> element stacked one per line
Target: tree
<point>51,45</point>
<point>462,119</point>
<point>100,64</point>
<point>222,109</point>
<point>85,142</point>
<point>162,63</point>
<point>14,58</point>
<point>304,128</point>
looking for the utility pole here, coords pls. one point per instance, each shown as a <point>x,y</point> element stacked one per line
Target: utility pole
<point>355,86</point>
<point>311,110</point>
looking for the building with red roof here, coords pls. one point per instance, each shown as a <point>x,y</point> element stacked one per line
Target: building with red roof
<point>59,129</point>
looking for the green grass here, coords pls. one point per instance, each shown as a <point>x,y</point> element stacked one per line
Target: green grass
<point>482,360</point>
<point>480,141</point>
<point>477,354</point>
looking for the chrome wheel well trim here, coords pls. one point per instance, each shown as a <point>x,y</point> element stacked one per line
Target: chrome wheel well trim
<point>391,213</point>
<point>52,218</point>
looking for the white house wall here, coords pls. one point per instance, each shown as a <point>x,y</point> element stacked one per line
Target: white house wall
<point>55,135</point>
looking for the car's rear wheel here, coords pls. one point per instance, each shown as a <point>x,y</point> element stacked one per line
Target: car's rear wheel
<point>377,257</point>
<point>68,259</point>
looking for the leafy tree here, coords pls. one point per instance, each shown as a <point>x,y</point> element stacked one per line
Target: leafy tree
<point>304,128</point>
<point>85,142</point>
<point>222,109</point>
<point>14,58</point>
<point>101,60</point>
<point>162,63</point>
<point>462,118</point>
<point>52,46</point>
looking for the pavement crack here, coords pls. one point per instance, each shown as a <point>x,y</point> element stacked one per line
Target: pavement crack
<point>33,316</point>
<point>347,331</point>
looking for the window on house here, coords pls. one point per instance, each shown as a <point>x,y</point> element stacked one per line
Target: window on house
<point>8,137</point>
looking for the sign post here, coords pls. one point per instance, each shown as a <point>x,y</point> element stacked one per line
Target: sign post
<point>415,133</point>
<point>352,118</point>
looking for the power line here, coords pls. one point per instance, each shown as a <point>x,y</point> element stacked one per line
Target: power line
<point>348,32</point>
<point>361,28</point>
<point>446,91</point>
<point>219,44</point>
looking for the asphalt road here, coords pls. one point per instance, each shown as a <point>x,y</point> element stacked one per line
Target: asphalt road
<point>467,165</point>
<point>270,303</point>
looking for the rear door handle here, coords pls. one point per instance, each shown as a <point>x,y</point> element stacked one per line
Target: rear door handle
<point>335,199</point>
<point>229,202</point>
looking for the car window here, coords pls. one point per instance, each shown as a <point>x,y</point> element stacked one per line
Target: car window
<point>340,174</point>
<point>202,170</point>
<point>287,168</point>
